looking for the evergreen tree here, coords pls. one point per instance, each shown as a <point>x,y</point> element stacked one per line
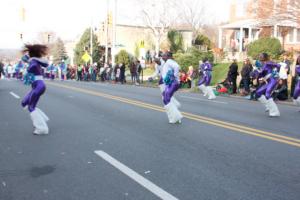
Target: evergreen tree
<point>203,40</point>
<point>58,51</point>
<point>123,57</point>
<point>176,40</point>
<point>84,45</point>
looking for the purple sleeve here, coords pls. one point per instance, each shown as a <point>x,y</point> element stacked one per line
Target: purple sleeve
<point>264,71</point>
<point>32,67</point>
<point>209,66</point>
<point>298,69</point>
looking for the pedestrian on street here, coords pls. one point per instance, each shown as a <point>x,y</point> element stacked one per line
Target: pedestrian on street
<point>34,56</point>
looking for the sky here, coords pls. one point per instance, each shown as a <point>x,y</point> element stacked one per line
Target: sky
<point>68,18</point>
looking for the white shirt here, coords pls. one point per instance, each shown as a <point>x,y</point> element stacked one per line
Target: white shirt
<point>171,64</point>
<point>143,63</point>
<point>10,69</point>
<point>283,71</point>
<point>158,69</point>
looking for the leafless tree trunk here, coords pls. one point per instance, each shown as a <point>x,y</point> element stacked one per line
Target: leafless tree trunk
<point>194,14</point>
<point>158,16</point>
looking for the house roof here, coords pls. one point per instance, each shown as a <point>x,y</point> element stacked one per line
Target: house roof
<point>248,23</point>
<point>272,22</point>
<point>254,23</point>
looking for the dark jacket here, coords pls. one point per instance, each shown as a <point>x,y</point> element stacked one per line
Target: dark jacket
<point>233,72</point>
<point>1,67</point>
<point>246,70</point>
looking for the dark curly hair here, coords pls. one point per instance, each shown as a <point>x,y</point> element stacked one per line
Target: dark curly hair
<point>264,57</point>
<point>35,50</point>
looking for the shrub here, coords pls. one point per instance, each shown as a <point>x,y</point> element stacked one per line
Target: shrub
<point>123,57</point>
<point>203,40</point>
<point>176,40</point>
<point>192,58</point>
<point>270,46</point>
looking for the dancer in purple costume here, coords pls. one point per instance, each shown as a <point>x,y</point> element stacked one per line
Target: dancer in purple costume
<point>170,76</point>
<point>270,74</point>
<point>158,73</point>
<point>296,95</point>
<point>36,62</point>
<point>204,82</point>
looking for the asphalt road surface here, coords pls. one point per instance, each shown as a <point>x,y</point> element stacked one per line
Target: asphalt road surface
<point>113,142</point>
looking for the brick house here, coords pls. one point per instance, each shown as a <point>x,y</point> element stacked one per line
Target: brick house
<point>252,19</point>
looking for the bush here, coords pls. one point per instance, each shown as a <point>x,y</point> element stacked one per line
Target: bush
<point>203,40</point>
<point>123,57</point>
<point>192,58</point>
<point>270,46</point>
<point>176,40</point>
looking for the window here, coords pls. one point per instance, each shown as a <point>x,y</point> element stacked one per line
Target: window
<point>291,35</point>
<point>241,8</point>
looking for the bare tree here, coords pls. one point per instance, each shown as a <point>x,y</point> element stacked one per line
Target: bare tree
<point>46,37</point>
<point>159,16</point>
<point>194,14</point>
<point>281,13</point>
<point>287,14</point>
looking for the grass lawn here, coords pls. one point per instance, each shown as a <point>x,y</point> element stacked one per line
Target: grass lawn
<point>220,72</point>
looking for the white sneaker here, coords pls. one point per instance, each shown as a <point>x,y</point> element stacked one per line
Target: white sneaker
<point>39,123</point>
<point>263,100</point>
<point>203,89</point>
<point>273,112</point>
<point>175,102</point>
<point>211,94</point>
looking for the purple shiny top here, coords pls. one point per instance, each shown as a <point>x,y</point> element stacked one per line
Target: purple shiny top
<point>206,66</point>
<point>35,66</point>
<point>298,70</point>
<point>269,68</point>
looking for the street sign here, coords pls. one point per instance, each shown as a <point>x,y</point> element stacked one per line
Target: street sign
<point>86,57</point>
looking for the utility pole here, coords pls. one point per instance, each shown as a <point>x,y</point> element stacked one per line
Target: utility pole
<point>113,46</point>
<point>91,42</point>
<point>106,32</point>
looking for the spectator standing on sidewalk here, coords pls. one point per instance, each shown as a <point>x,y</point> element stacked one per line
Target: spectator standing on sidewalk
<point>133,72</point>
<point>79,73</point>
<point>139,71</point>
<point>122,73</point>
<point>245,72</point>
<point>1,69</point>
<point>191,76</point>
<point>232,75</point>
<point>283,75</point>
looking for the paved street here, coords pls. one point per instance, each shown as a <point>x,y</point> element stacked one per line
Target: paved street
<point>113,142</point>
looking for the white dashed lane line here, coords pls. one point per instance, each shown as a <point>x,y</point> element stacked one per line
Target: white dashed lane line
<point>206,100</point>
<point>159,192</point>
<point>14,95</point>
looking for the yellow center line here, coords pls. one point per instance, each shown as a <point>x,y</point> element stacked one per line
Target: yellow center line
<point>202,119</point>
